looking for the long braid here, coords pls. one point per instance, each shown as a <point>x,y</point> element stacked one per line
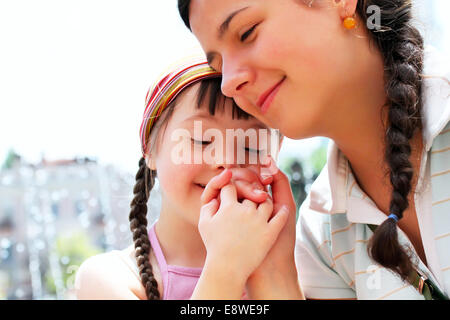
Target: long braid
<point>402,47</point>
<point>138,226</point>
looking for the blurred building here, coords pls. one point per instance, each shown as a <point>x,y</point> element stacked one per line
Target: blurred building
<point>40,203</point>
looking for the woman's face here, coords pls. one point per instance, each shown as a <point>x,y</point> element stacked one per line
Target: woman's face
<point>282,61</point>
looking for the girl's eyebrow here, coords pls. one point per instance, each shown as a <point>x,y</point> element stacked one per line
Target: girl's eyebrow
<point>201,116</point>
<point>209,117</point>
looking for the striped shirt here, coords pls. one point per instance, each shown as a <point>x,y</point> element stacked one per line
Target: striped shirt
<point>332,232</point>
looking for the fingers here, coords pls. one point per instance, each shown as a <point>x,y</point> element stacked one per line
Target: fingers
<point>279,220</point>
<point>249,204</point>
<point>212,189</point>
<point>249,174</point>
<point>209,209</point>
<point>248,184</point>
<point>265,209</point>
<point>281,189</point>
<point>264,177</point>
<point>228,194</point>
<point>253,192</point>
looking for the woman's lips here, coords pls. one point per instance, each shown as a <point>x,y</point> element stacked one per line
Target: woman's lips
<point>267,97</point>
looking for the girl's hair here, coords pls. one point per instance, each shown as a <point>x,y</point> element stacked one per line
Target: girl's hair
<point>145,180</point>
<point>401,46</point>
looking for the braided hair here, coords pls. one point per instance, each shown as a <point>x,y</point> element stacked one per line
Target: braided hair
<point>145,180</point>
<point>401,46</point>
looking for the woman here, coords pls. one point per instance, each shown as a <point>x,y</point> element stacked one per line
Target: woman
<point>375,224</point>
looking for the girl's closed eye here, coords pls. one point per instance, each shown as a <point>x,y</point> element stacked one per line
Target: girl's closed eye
<point>200,142</point>
<point>253,150</point>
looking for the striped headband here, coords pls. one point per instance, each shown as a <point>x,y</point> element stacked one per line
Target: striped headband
<point>166,90</point>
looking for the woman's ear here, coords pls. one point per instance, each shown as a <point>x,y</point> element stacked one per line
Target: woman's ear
<point>347,8</point>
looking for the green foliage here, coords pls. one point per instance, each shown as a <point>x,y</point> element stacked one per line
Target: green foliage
<point>309,170</point>
<point>318,159</point>
<point>74,249</point>
<point>11,158</point>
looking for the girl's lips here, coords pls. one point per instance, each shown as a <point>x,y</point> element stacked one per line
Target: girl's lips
<point>267,97</point>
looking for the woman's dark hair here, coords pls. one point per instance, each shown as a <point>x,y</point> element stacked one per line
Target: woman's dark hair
<point>145,179</point>
<point>401,46</point>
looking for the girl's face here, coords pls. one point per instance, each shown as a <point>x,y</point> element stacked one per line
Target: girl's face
<point>186,158</point>
<point>285,63</point>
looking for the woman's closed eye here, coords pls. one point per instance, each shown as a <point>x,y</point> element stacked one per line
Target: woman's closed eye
<point>247,33</point>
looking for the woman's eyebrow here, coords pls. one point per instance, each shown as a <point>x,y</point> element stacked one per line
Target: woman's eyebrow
<point>225,25</point>
<point>221,32</point>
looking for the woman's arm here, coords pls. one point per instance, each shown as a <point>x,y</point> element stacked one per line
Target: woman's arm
<point>276,277</point>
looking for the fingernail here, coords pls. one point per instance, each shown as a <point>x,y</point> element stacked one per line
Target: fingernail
<point>224,172</point>
<point>257,191</point>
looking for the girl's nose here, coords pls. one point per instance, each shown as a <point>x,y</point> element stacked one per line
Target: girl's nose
<point>225,164</point>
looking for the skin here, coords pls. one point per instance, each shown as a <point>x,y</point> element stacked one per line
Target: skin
<point>186,214</point>
<point>181,200</point>
<point>333,80</point>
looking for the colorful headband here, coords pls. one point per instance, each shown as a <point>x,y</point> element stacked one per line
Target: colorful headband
<point>166,90</point>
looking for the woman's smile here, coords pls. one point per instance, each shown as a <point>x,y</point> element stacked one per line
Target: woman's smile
<point>265,100</point>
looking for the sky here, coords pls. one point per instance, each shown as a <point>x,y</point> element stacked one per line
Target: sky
<point>74,74</point>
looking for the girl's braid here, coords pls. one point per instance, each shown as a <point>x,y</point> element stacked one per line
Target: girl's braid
<point>138,226</point>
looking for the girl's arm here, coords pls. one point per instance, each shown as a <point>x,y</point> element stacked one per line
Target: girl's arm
<point>100,278</point>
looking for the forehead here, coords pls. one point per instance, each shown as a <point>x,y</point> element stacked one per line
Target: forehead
<point>207,15</point>
<point>186,112</point>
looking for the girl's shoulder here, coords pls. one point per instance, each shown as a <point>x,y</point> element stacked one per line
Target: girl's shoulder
<point>109,276</point>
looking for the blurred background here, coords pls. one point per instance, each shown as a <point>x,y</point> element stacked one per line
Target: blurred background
<point>73,79</point>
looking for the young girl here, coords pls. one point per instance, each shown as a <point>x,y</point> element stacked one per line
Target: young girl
<point>167,260</point>
<point>375,224</point>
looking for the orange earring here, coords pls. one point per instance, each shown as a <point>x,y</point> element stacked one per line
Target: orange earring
<point>350,23</point>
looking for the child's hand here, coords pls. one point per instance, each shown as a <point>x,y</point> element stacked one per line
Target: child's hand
<point>249,185</point>
<point>237,235</point>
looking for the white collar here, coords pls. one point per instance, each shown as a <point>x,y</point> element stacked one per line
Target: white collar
<point>330,190</point>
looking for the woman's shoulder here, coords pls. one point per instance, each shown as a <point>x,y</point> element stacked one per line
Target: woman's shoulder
<point>108,276</point>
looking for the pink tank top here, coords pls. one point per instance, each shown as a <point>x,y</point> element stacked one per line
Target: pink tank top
<point>178,282</point>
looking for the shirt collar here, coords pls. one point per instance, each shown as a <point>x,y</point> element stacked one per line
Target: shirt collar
<point>330,191</point>
<point>436,95</point>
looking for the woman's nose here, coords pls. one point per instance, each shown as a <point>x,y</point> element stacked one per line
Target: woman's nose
<point>235,78</point>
